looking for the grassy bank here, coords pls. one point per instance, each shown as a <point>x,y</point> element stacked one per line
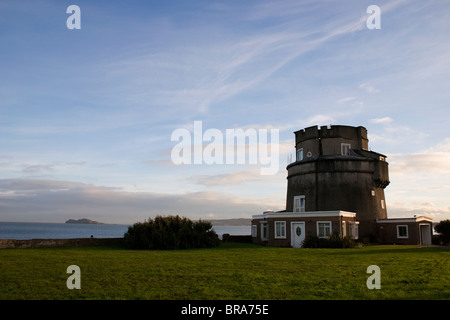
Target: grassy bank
<point>230,271</point>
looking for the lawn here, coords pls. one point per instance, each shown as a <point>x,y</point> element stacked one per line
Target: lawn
<point>230,271</point>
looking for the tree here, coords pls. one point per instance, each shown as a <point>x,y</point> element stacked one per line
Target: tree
<point>443,228</point>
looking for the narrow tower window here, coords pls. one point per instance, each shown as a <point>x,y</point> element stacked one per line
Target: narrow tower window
<point>345,149</point>
<point>299,204</point>
<point>300,154</point>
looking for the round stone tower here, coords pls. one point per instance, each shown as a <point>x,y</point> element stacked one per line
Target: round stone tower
<point>334,170</point>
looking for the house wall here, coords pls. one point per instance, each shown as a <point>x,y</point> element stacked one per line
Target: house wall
<point>310,228</point>
<point>388,233</point>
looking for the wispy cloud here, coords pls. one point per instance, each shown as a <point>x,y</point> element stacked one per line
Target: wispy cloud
<point>45,168</point>
<point>368,88</point>
<point>49,200</point>
<point>428,209</point>
<point>435,159</point>
<point>227,179</point>
<point>388,132</point>
<point>345,100</point>
<point>245,177</point>
<point>208,73</point>
<point>383,120</point>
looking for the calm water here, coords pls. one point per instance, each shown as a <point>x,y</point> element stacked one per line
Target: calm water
<point>31,230</point>
<point>233,230</point>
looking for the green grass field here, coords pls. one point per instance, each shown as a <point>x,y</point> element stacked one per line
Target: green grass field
<point>230,271</point>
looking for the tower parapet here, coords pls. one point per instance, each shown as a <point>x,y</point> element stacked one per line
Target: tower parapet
<point>329,140</point>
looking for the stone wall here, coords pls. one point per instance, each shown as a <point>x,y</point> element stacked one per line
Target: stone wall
<point>236,238</point>
<point>76,242</point>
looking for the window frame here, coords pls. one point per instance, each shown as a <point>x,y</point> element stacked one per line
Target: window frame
<point>353,230</point>
<point>398,231</point>
<point>344,229</point>
<point>280,233</point>
<point>329,223</point>
<point>301,208</point>
<point>347,147</point>
<point>299,152</point>
<point>264,231</point>
<point>254,231</point>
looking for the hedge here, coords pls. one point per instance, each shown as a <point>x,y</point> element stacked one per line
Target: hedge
<point>334,241</point>
<point>170,232</point>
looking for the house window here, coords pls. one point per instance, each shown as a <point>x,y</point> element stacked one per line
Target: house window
<point>299,204</point>
<point>345,149</point>
<point>402,231</point>
<point>353,231</point>
<point>264,231</point>
<point>300,154</point>
<point>254,230</point>
<point>382,204</point>
<point>344,229</point>
<point>323,229</point>
<point>280,229</point>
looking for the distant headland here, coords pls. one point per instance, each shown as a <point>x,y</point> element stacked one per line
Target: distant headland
<point>83,221</point>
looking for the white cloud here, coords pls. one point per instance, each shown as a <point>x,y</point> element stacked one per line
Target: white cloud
<point>435,160</point>
<point>50,168</point>
<point>368,88</point>
<point>419,182</point>
<point>384,120</point>
<point>428,209</point>
<point>235,178</point>
<point>314,120</point>
<point>346,99</point>
<point>388,135</point>
<point>245,177</point>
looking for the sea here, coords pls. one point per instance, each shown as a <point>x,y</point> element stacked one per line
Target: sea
<point>35,230</point>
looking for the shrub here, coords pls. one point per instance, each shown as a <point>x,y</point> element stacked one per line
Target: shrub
<point>170,232</point>
<point>334,241</point>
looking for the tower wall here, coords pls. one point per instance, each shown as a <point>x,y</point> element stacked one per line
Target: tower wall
<point>331,180</point>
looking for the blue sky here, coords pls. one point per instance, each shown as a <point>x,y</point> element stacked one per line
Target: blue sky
<point>86,116</point>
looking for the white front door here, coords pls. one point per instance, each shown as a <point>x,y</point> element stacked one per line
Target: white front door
<point>425,234</point>
<point>297,234</point>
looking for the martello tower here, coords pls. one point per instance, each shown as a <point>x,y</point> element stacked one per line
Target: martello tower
<point>334,170</point>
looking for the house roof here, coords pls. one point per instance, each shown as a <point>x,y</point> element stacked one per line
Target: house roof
<point>368,154</point>
<point>404,220</point>
<point>310,214</point>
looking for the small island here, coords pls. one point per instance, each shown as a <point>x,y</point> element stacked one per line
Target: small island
<point>83,221</point>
